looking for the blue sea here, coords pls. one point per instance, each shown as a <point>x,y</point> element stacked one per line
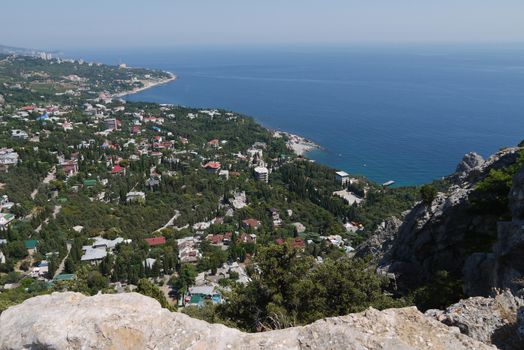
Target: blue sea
<point>406,114</point>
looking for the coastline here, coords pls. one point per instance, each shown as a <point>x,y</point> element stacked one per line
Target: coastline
<point>298,144</point>
<point>148,84</point>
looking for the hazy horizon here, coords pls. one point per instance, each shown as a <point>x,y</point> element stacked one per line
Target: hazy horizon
<point>62,25</point>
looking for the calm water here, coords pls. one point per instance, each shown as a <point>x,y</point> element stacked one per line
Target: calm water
<point>404,114</point>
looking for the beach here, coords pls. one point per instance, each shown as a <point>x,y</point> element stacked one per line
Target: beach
<point>148,84</point>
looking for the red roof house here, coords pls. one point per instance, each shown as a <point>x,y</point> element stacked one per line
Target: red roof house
<point>117,169</point>
<point>154,241</point>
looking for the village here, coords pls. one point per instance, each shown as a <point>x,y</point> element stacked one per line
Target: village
<point>104,154</point>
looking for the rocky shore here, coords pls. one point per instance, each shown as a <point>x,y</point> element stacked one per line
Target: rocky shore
<point>298,144</point>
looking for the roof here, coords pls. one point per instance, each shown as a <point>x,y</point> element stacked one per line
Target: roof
<point>31,244</point>
<point>153,241</point>
<point>64,277</point>
<point>251,222</point>
<point>261,170</point>
<point>94,254</point>
<point>89,182</point>
<point>117,169</point>
<point>212,165</point>
<point>342,173</point>
<point>204,290</point>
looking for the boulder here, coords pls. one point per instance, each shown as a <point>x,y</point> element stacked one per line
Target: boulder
<point>132,321</point>
<point>470,161</point>
<point>497,320</point>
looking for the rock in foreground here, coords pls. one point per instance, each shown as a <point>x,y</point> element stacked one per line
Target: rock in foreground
<point>133,321</point>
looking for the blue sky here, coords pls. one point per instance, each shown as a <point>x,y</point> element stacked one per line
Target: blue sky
<point>62,24</point>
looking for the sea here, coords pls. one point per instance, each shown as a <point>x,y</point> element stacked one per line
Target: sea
<point>402,113</point>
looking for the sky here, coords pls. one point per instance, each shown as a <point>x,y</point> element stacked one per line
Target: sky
<point>66,24</point>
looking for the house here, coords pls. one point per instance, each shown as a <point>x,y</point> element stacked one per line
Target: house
<point>89,182</point>
<point>187,251</point>
<point>118,170</point>
<point>8,158</point>
<point>247,238</point>
<point>213,143</point>
<point>111,124</point>
<point>19,134</point>
<point>342,178</point>
<point>251,223</point>
<point>93,255</point>
<point>197,296</point>
<point>31,246</point>
<point>5,203</point>
<point>41,270</point>
<point>135,196</point>
<point>299,227</point>
<point>98,250</point>
<point>2,258</point>
<point>70,167</point>
<point>212,167</point>
<point>155,241</point>
<point>262,174</point>
<point>295,243</point>
<point>5,220</point>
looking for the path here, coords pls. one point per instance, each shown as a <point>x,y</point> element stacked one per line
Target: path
<point>170,222</point>
<point>62,263</point>
<point>51,175</point>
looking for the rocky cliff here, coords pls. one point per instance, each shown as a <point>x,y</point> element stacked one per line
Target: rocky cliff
<point>133,321</point>
<point>503,267</point>
<point>441,236</point>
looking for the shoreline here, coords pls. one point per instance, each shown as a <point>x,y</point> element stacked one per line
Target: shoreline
<point>148,84</point>
<point>298,144</point>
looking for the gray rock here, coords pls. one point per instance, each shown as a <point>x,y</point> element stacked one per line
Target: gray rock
<point>489,320</point>
<point>2,100</point>
<point>380,241</point>
<point>503,267</point>
<point>440,236</point>
<point>470,161</point>
<point>133,321</point>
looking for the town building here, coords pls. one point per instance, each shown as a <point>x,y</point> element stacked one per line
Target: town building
<point>70,167</point>
<point>5,220</point>
<point>135,196</point>
<point>8,158</point>
<point>212,167</point>
<point>262,174</point>
<point>342,178</point>
<point>111,123</point>
<point>155,241</point>
<point>19,134</point>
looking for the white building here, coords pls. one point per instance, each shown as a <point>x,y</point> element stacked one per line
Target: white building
<point>135,197</point>
<point>342,177</point>
<point>262,174</point>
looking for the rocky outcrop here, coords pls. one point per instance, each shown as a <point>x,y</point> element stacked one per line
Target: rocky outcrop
<point>441,236</point>
<point>133,321</point>
<point>470,161</point>
<point>381,241</point>
<point>497,320</point>
<point>503,268</point>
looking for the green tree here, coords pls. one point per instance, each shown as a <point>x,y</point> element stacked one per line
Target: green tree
<point>147,288</point>
<point>428,194</point>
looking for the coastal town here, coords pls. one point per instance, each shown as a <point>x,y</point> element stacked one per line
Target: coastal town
<point>99,193</point>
